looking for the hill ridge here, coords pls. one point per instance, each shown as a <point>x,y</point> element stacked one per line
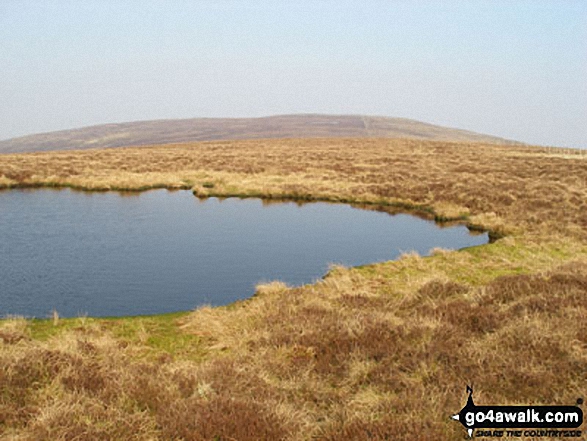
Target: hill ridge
<point>167,131</point>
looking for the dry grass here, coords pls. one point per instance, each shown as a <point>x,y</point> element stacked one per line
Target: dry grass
<point>513,188</point>
<point>378,352</point>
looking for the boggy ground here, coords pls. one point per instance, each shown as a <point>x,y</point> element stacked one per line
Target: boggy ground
<point>382,351</point>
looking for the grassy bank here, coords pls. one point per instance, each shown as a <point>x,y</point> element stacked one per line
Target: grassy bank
<point>382,351</point>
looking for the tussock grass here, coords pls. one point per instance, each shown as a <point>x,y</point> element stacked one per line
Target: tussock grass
<point>506,188</point>
<point>382,351</point>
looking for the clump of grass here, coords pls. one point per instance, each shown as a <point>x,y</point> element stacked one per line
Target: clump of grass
<point>13,330</point>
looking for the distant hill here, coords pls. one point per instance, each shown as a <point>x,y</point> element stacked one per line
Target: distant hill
<point>208,129</point>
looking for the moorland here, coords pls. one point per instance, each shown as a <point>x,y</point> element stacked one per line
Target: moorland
<point>382,351</point>
<point>169,131</point>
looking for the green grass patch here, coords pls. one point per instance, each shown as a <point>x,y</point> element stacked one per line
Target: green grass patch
<point>158,334</point>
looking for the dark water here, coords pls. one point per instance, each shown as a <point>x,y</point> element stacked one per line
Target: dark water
<point>106,254</point>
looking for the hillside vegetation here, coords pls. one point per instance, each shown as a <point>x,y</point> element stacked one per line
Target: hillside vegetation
<point>382,351</point>
<point>207,129</point>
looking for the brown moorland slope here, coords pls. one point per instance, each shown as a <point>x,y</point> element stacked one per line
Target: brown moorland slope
<point>207,129</point>
<point>379,352</point>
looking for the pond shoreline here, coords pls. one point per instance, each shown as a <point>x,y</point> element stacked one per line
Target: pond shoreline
<point>421,210</point>
<point>363,247</point>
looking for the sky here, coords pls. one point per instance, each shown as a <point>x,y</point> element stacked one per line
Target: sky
<point>515,69</point>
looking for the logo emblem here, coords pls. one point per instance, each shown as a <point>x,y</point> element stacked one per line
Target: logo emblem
<point>474,417</point>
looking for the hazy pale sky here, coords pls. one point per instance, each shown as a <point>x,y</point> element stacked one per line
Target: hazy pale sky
<point>516,69</point>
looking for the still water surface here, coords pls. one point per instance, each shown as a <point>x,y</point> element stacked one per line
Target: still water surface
<point>107,254</point>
